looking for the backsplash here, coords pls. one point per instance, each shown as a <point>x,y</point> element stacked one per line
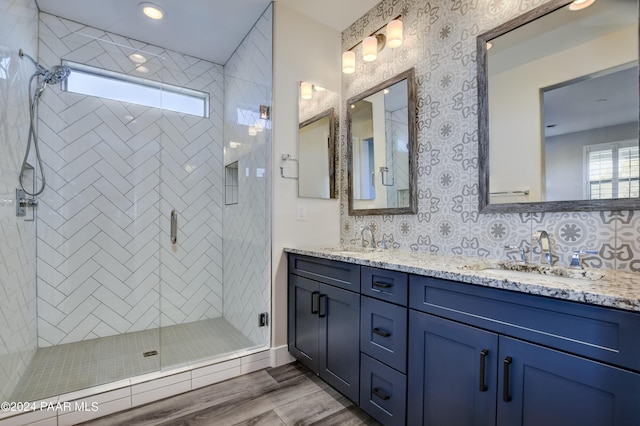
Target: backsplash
<point>440,43</point>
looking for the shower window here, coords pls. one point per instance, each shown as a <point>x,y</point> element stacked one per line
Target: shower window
<point>92,81</point>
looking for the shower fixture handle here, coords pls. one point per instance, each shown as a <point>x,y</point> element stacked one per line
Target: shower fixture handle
<point>174,226</point>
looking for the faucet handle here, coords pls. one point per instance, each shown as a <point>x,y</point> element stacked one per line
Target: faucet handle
<point>523,256</point>
<point>576,258</point>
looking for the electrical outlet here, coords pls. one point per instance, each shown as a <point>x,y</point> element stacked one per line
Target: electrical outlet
<point>301,213</point>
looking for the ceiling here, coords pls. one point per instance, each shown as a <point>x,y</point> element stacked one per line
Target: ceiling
<point>207,29</point>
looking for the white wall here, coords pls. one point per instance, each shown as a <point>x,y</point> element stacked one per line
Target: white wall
<point>303,50</point>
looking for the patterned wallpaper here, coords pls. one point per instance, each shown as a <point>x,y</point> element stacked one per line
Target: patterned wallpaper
<point>18,338</point>
<point>114,172</point>
<point>247,225</point>
<point>440,39</point>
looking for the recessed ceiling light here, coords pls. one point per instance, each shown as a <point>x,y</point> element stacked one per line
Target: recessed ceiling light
<point>580,4</point>
<point>137,58</point>
<point>152,11</point>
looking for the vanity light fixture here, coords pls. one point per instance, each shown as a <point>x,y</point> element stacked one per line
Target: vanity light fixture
<point>348,62</point>
<point>580,4</point>
<point>394,33</point>
<point>306,90</point>
<point>373,44</point>
<point>152,11</point>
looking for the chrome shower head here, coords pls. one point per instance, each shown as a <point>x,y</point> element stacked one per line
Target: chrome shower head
<point>57,74</point>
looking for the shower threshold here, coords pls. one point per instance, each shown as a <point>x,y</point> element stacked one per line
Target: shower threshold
<point>70,367</point>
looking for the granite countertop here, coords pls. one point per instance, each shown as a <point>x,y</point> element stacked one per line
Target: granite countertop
<point>615,289</point>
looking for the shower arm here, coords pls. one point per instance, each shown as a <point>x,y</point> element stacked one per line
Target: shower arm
<point>41,69</point>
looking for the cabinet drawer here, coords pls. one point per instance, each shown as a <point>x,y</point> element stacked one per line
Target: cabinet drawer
<point>605,334</point>
<point>383,332</point>
<point>339,274</point>
<point>383,392</point>
<point>391,286</point>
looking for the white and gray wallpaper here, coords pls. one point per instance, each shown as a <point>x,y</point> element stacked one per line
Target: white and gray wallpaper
<point>440,42</point>
<point>18,338</point>
<point>114,172</point>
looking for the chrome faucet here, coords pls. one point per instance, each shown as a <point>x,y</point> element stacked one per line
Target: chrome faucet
<point>545,246</point>
<point>576,258</point>
<point>373,239</point>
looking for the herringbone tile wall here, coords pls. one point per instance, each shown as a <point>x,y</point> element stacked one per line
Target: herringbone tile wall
<point>247,230</point>
<point>18,339</point>
<point>115,171</point>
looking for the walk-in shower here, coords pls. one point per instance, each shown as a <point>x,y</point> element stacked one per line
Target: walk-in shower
<point>42,77</point>
<point>111,294</point>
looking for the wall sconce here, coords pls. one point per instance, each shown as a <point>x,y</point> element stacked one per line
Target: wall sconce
<point>373,44</point>
<point>348,62</point>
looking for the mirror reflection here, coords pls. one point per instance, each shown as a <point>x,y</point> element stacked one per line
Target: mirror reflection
<point>561,123</point>
<point>381,136</point>
<point>316,141</point>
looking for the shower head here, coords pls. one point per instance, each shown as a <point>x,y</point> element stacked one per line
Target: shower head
<point>57,74</point>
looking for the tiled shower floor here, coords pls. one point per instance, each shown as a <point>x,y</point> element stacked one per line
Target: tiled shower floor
<point>66,368</point>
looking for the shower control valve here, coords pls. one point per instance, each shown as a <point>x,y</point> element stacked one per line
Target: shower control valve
<point>22,202</point>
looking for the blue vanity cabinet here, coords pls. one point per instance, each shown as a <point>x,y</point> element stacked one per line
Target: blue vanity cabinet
<point>543,361</point>
<point>383,343</point>
<point>542,386</point>
<point>324,320</point>
<point>452,373</point>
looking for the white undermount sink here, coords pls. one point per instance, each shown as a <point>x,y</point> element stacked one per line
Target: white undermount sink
<point>542,273</point>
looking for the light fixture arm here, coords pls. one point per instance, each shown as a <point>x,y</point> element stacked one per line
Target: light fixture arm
<point>374,33</point>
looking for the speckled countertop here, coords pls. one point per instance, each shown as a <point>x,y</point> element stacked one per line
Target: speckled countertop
<point>615,289</point>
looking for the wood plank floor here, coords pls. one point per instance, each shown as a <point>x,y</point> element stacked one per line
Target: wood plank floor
<point>287,395</point>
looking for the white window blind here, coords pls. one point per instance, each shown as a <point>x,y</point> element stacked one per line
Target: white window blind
<point>613,171</point>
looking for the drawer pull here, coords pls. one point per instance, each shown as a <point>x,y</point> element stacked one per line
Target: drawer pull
<point>320,306</point>
<point>377,392</point>
<point>382,285</point>
<point>483,366</point>
<point>381,332</point>
<point>506,395</point>
<point>314,311</point>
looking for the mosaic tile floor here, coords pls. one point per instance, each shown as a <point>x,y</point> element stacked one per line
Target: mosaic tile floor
<point>66,368</point>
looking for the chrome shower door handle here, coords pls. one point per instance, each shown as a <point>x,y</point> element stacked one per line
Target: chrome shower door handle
<point>174,226</point>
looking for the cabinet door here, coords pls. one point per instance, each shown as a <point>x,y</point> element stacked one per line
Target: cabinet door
<point>339,357</point>
<point>452,373</point>
<point>303,320</point>
<point>541,386</point>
